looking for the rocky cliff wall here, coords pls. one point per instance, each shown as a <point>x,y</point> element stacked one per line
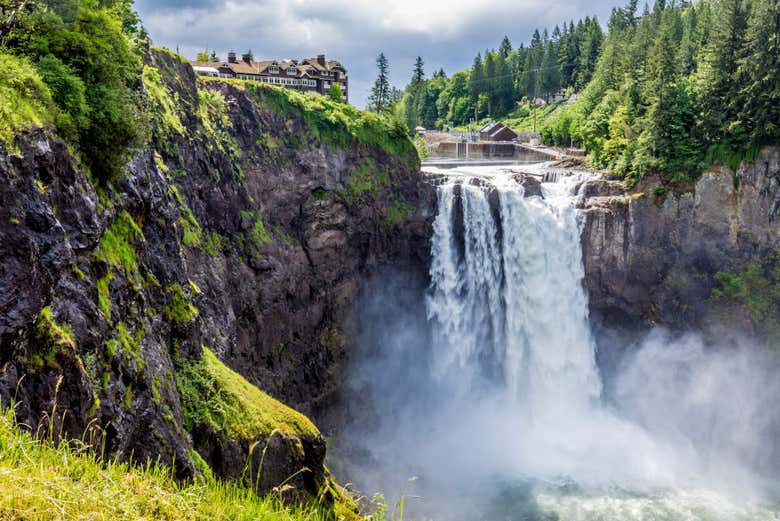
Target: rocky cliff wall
<point>706,258</point>
<point>245,227</point>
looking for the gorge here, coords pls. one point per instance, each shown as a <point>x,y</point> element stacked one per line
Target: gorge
<point>483,332</point>
<point>506,403</point>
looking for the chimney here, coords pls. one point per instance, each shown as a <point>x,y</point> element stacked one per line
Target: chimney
<point>232,57</point>
<point>247,57</point>
<point>321,59</point>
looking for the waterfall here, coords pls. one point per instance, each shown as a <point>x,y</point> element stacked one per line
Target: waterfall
<point>486,401</point>
<point>506,297</point>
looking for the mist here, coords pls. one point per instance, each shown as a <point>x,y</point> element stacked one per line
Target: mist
<point>484,393</point>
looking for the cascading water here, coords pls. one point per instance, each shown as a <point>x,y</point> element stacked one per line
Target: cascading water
<point>510,295</point>
<point>495,397</point>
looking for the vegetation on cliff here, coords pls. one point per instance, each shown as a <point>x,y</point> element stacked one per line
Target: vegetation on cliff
<point>218,400</point>
<point>338,124</point>
<point>44,481</point>
<point>86,54</point>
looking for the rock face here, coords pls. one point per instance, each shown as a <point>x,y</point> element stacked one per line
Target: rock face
<point>654,257</point>
<point>238,229</point>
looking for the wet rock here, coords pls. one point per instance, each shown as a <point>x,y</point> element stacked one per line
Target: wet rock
<point>653,256</point>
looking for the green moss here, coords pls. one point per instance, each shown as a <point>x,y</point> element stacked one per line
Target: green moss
<point>398,213</point>
<point>216,126</point>
<point>171,54</point>
<point>757,286</point>
<point>56,338</point>
<point>179,310</point>
<point>191,230</point>
<point>127,399</point>
<point>129,344</point>
<point>78,273</point>
<point>319,194</point>
<point>213,244</point>
<point>14,221</point>
<point>25,101</point>
<point>162,104</point>
<point>201,467</point>
<point>104,299</point>
<point>116,247</point>
<point>338,124</point>
<point>258,236</point>
<point>366,180</point>
<point>216,398</point>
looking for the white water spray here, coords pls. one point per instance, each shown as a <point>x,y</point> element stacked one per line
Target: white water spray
<point>507,387</point>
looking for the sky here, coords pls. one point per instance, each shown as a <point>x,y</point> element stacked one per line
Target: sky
<point>446,33</point>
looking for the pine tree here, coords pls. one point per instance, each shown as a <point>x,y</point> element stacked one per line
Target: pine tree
<point>549,78</point>
<point>717,80</point>
<point>379,100</point>
<point>505,48</point>
<point>475,80</point>
<point>418,75</point>
<point>759,68</point>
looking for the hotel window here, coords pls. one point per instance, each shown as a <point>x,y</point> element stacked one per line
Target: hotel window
<point>292,70</point>
<point>273,69</point>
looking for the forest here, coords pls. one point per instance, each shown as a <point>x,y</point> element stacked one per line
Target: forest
<point>671,90</point>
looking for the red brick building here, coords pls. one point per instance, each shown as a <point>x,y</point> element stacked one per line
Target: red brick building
<point>309,75</point>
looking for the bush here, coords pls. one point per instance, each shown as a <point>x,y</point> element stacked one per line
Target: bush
<point>90,42</point>
<point>69,94</point>
<point>25,101</point>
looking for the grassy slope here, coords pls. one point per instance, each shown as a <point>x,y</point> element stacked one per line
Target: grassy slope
<point>41,482</point>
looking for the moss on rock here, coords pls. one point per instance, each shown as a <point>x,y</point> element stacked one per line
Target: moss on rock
<point>216,398</point>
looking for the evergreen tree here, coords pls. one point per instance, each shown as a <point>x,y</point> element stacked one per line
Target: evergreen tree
<point>475,80</point>
<point>418,75</point>
<point>549,77</point>
<point>717,80</point>
<point>759,68</point>
<point>379,100</point>
<point>505,48</point>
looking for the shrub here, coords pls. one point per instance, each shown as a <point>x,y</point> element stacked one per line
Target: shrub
<point>69,94</point>
<point>25,101</point>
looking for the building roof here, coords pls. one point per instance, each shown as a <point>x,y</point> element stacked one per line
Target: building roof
<point>491,126</point>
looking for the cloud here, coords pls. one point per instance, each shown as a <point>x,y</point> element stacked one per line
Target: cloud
<point>446,33</point>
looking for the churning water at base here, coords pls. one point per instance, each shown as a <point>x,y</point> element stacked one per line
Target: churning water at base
<point>489,402</point>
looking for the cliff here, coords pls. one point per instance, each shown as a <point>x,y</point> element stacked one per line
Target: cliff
<point>159,310</point>
<point>705,258</point>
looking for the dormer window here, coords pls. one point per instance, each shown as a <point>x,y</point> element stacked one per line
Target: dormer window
<point>292,70</point>
<point>273,69</point>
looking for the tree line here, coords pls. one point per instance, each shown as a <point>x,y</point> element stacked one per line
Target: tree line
<point>558,61</point>
<point>679,87</point>
<point>672,89</point>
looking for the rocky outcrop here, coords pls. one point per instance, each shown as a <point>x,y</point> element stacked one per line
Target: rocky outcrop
<point>245,227</point>
<point>654,257</point>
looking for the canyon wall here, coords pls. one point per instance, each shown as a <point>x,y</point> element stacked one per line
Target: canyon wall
<point>233,249</point>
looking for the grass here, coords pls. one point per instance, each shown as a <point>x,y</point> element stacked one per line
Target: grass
<point>337,124</point>
<point>43,482</point>
<point>25,101</point>
<point>216,398</point>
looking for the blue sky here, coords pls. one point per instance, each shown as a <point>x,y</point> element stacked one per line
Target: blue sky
<point>446,33</point>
